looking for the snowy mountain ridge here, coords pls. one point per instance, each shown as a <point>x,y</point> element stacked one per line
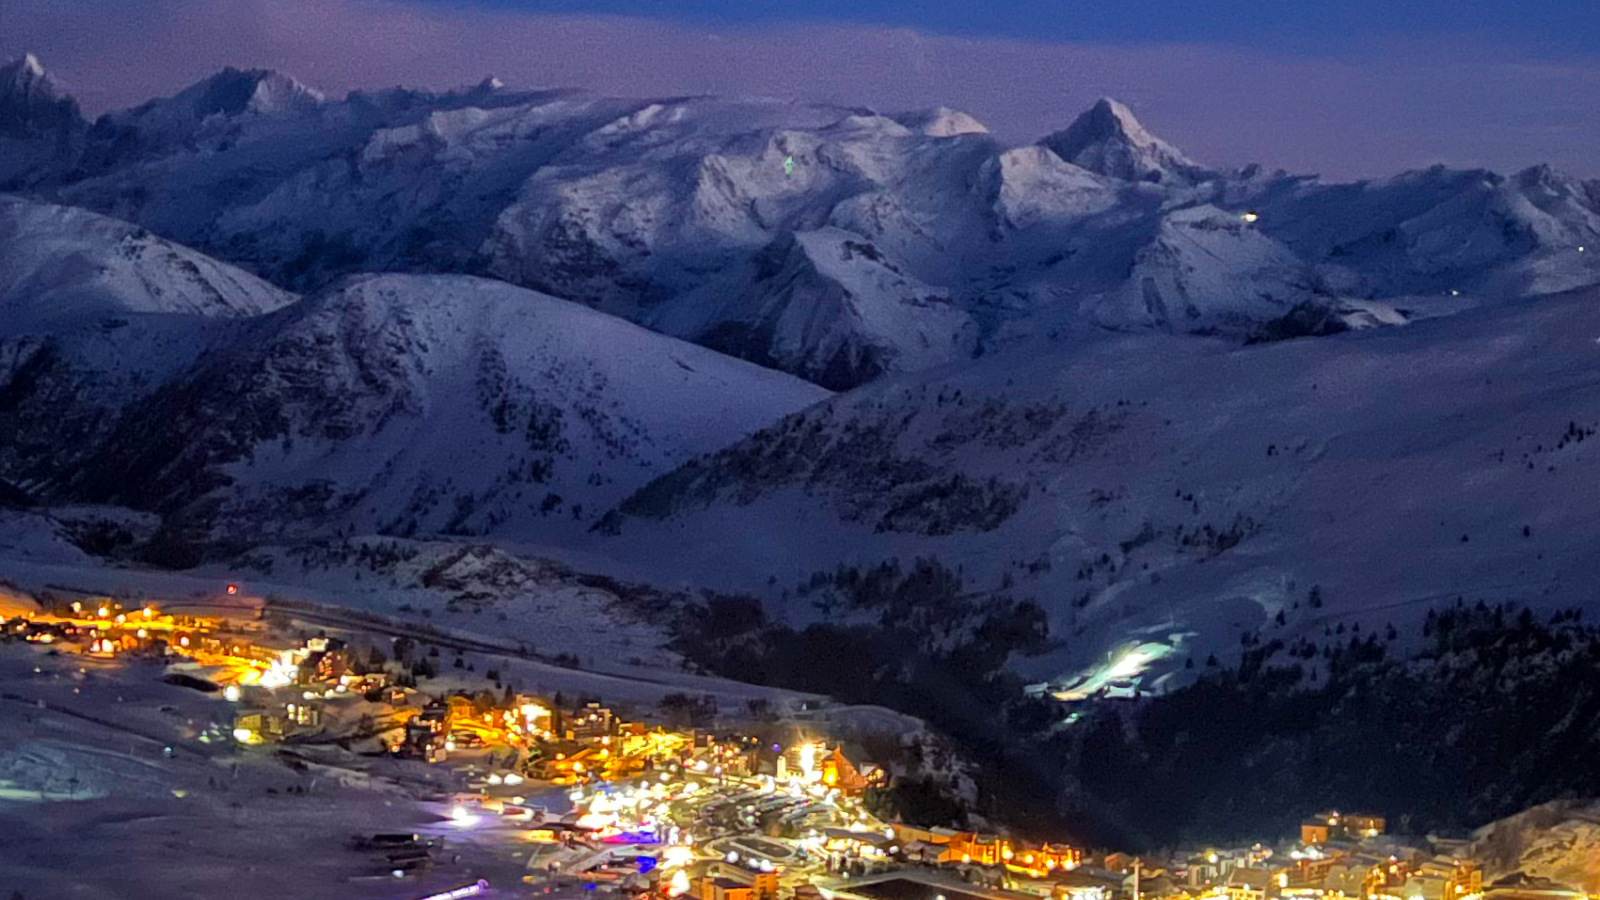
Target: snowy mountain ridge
<point>146,375</point>
<point>634,206</point>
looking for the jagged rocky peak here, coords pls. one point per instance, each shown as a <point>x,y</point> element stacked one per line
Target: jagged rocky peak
<point>31,103</point>
<point>1109,140</point>
<point>233,91</point>
<point>22,72</point>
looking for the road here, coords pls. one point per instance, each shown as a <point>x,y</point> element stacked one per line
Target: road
<point>377,625</point>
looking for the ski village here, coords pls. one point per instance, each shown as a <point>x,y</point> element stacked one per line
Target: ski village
<point>353,756</point>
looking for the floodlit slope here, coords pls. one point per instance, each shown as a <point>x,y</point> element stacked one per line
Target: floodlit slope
<point>62,267</point>
<point>1174,486</point>
<point>442,403</point>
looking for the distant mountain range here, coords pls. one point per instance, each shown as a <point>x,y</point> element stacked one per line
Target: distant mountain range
<point>268,315</point>
<point>899,242</point>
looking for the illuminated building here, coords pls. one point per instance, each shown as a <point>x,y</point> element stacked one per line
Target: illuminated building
<point>1336,826</point>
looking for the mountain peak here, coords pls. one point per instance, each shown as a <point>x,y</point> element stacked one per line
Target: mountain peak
<point>941,121</point>
<point>1110,140</point>
<point>29,65</point>
<point>1111,115</point>
<point>233,91</point>
<point>25,75</point>
<point>32,105</point>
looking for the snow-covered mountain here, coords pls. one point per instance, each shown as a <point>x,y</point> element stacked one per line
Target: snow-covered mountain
<point>832,309</point>
<point>1439,230</point>
<point>638,206</point>
<point>1180,489</point>
<point>207,116</point>
<point>32,105</point>
<point>39,123</point>
<point>414,403</point>
<point>1105,279</point>
<point>95,314</point>
<point>62,268</point>
<point>1107,139</point>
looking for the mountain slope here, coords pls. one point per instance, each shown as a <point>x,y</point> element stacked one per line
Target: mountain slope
<point>62,267</point>
<point>1205,269</point>
<point>425,404</point>
<point>95,314</point>
<point>825,305</point>
<point>1178,488</point>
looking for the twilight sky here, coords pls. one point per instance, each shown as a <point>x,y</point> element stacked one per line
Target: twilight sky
<point>1348,89</point>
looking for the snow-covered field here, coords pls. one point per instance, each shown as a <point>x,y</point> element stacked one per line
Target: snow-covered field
<point>520,611</point>
<point>95,807</point>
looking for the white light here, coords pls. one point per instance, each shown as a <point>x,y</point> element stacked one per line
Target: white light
<point>461,817</point>
<point>513,779</point>
<point>231,693</point>
<point>732,857</point>
<point>243,735</point>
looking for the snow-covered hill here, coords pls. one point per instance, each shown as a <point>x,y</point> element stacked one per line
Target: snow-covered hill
<point>1181,490</point>
<point>421,403</point>
<point>637,206</point>
<point>63,268</point>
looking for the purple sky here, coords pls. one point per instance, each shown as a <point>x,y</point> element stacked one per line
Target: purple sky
<point>1372,107</point>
